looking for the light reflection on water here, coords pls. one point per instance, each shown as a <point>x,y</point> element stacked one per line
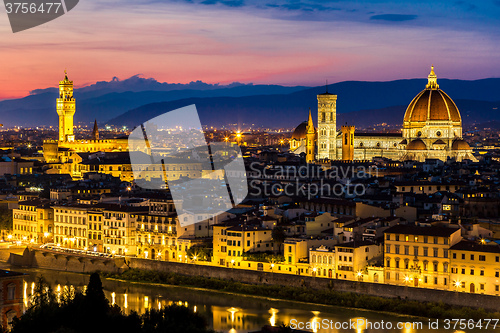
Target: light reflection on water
<point>226,312</point>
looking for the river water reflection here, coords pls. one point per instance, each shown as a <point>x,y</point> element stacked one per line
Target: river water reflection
<point>233,313</point>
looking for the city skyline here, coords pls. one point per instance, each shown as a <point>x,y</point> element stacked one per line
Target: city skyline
<point>280,42</point>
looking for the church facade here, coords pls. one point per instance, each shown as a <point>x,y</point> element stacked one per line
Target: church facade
<point>432,129</point>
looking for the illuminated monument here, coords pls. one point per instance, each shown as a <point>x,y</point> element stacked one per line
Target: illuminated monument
<point>66,110</point>
<point>327,126</point>
<point>432,128</point>
<point>59,151</point>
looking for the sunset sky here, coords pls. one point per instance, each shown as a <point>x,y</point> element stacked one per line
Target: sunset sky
<point>262,41</point>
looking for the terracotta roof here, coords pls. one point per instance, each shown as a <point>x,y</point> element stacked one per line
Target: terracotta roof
<point>460,144</point>
<point>424,231</point>
<point>465,245</point>
<point>416,145</point>
<point>432,104</point>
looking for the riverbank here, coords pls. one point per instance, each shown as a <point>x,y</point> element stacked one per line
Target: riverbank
<point>226,311</point>
<point>362,295</point>
<point>325,297</point>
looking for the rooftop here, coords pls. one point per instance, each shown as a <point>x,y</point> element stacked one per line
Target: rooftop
<point>421,231</point>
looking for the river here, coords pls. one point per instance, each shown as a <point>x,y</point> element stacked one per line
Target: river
<point>236,313</point>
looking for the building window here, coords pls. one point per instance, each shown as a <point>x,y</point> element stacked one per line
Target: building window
<point>454,256</point>
<point>11,292</point>
<point>472,272</point>
<point>482,258</point>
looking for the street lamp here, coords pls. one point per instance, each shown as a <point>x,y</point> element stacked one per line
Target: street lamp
<point>457,284</point>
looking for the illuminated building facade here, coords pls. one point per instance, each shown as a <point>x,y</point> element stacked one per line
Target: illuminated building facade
<point>54,150</point>
<point>475,267</point>
<point>33,222</point>
<point>432,128</point>
<point>419,256</point>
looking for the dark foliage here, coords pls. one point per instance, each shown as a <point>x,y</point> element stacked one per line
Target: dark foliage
<point>91,312</point>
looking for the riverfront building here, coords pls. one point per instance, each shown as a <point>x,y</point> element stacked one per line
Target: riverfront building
<point>419,256</point>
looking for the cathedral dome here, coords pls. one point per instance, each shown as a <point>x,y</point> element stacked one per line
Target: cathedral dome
<point>300,131</point>
<point>460,144</point>
<point>432,104</point>
<point>416,145</point>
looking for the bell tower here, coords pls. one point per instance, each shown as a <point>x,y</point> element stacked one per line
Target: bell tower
<point>66,110</point>
<point>327,126</point>
<point>310,140</point>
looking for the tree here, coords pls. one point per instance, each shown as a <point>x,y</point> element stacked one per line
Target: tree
<point>79,313</point>
<point>95,294</point>
<point>42,294</point>
<point>278,236</point>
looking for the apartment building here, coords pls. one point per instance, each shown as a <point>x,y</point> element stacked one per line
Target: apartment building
<point>33,221</point>
<point>70,226</point>
<point>475,267</point>
<point>353,258</point>
<point>419,256</point>
<point>119,228</point>
<point>232,242</point>
<point>95,230</point>
<point>156,233</point>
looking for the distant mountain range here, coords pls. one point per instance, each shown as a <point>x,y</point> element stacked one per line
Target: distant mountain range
<point>131,102</point>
